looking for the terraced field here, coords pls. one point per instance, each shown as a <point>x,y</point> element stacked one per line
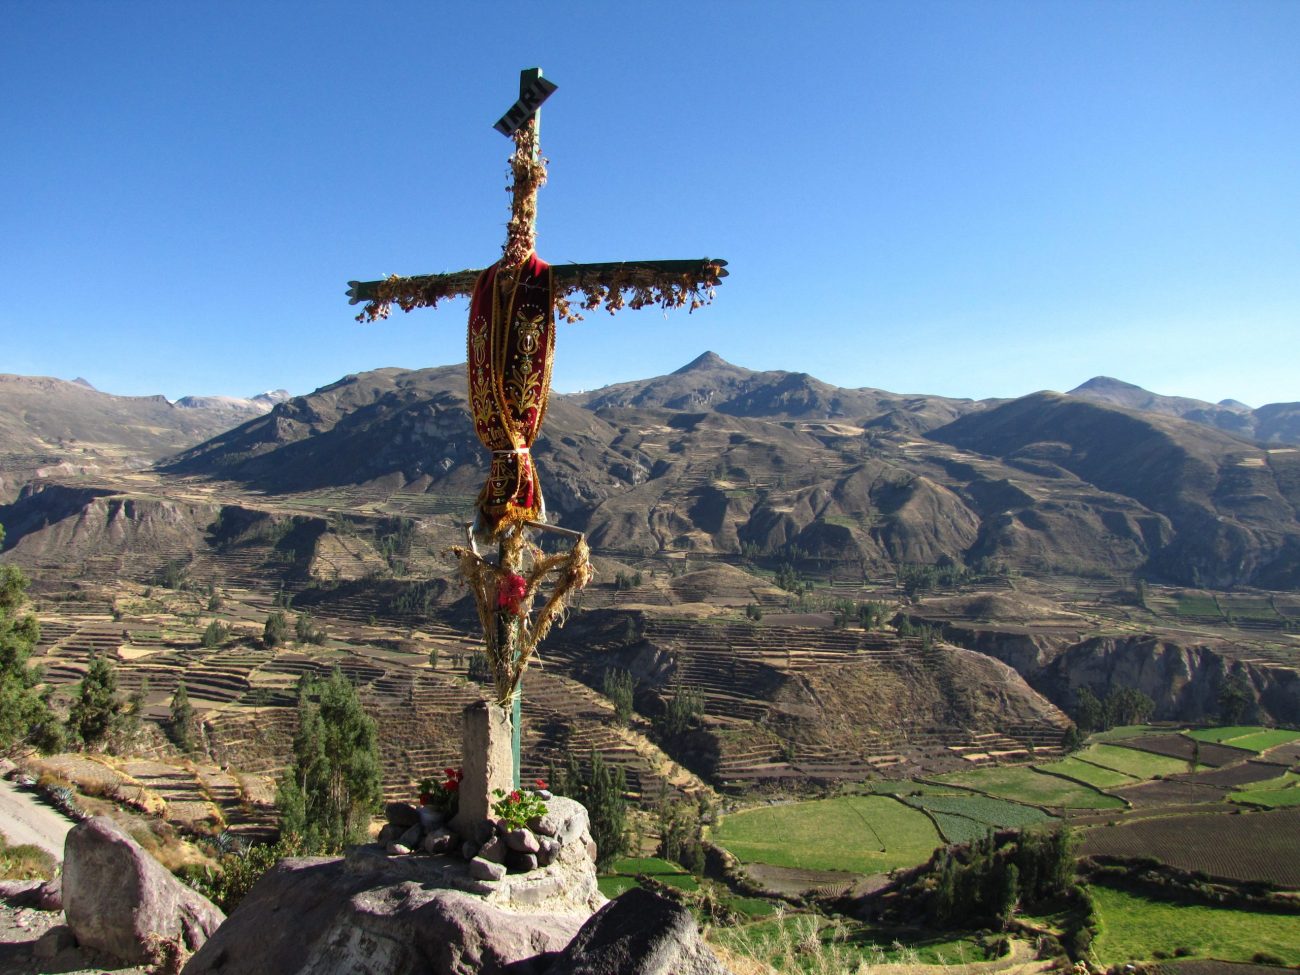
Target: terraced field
<point>1271,793</point>
<point>963,817</point>
<point>1250,737</point>
<point>1252,846</point>
<point>1134,928</point>
<point>1088,773</point>
<point>1132,762</point>
<point>1026,785</point>
<point>858,834</point>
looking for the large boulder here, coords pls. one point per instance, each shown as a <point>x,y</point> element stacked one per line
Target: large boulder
<point>333,916</point>
<point>639,933</point>
<point>119,899</point>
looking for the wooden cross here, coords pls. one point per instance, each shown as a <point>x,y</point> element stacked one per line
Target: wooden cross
<point>634,284</point>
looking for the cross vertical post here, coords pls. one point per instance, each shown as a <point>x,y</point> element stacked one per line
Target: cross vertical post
<point>509,557</point>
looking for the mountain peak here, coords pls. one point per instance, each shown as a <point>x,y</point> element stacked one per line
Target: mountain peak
<point>79,381</point>
<point>1099,384</point>
<point>709,360</point>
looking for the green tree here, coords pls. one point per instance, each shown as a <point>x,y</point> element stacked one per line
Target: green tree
<point>683,707</point>
<point>97,708</point>
<point>180,726</point>
<point>680,836</point>
<point>214,635</point>
<point>618,688</point>
<point>601,788</point>
<point>306,631</point>
<point>1236,699</point>
<point>276,631</point>
<point>1127,705</point>
<point>334,786</point>
<point>25,716</point>
<point>1089,714</point>
<point>871,615</point>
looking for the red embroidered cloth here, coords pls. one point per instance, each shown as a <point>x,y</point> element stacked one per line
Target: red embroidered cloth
<point>510,347</point>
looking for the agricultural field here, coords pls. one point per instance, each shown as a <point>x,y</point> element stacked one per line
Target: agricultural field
<point>1197,604</point>
<point>857,834</point>
<point>1123,732</point>
<point>1184,748</point>
<point>1249,846</point>
<point>963,817</point>
<point>1136,764</point>
<point>1134,928</point>
<point>1022,784</point>
<point>624,873</point>
<point>1087,773</point>
<point>1272,793</point>
<point>1251,738</point>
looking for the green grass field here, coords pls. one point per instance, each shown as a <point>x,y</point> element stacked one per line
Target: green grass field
<point>1250,737</point>
<point>624,873</point>
<point>1264,740</point>
<point>1025,785</point>
<point>1189,605</point>
<point>1134,928</point>
<point>963,817</point>
<point>1218,735</point>
<point>1130,761</point>
<point>1272,793</point>
<point>1123,731</point>
<point>1087,773</point>
<point>860,834</point>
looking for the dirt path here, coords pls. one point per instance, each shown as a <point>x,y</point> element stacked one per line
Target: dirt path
<point>25,820</point>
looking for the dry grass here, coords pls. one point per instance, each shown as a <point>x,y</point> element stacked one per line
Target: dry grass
<point>806,944</point>
<point>24,862</point>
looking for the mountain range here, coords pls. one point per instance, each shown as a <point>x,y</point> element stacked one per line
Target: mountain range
<point>716,458</point>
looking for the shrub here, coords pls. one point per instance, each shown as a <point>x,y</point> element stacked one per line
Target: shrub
<point>618,688</point>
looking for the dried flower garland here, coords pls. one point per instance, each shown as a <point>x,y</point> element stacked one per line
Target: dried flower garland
<point>618,285</point>
<point>499,589</point>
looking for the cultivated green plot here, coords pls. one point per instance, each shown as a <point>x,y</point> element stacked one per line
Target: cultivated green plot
<point>1088,773</point>
<point>1262,741</point>
<point>861,834</point>
<point>1120,732</point>
<point>1134,928</point>
<point>1219,735</point>
<point>959,829</point>
<point>1028,786</point>
<point>1272,793</point>
<point>963,818</point>
<point>1189,605</point>
<point>624,873</point>
<point>1131,762</point>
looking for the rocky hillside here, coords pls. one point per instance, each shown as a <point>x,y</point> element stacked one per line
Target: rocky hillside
<point>53,428</point>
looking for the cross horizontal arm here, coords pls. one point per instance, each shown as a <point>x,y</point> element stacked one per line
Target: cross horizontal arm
<point>667,283</point>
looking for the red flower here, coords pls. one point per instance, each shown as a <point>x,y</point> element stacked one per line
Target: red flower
<point>452,786</point>
<point>511,589</point>
<point>540,783</point>
<point>515,796</point>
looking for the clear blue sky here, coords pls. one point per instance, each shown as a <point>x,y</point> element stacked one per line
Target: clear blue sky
<point>969,198</point>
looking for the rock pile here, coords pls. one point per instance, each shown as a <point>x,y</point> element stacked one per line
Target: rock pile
<point>492,847</point>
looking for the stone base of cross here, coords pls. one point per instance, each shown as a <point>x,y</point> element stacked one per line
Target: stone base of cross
<point>487,765</point>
